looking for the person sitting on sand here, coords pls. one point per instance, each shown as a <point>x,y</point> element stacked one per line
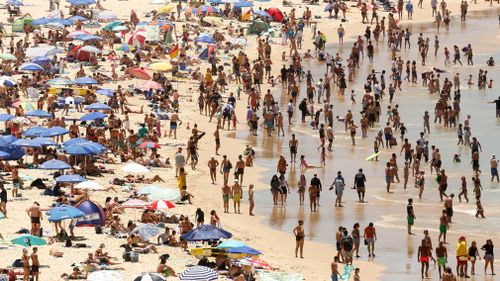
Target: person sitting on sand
<point>136,242</point>
<point>116,226</point>
<point>163,268</point>
<point>149,217</point>
<point>185,196</point>
<point>75,275</point>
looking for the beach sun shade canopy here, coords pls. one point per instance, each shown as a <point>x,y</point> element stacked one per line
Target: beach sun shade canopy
<point>206,232</point>
<point>43,141</point>
<point>93,116</point>
<point>38,113</point>
<point>231,244</point>
<point>199,273</point>
<point>276,14</point>
<point>7,81</point>
<point>243,4</point>
<point>34,131</point>
<point>64,212</point>
<point>98,106</point>
<point>4,154</point>
<point>94,215</point>
<point>54,132</point>
<point>27,240</point>
<point>105,92</point>
<point>147,231</point>
<point>85,80</point>
<point>70,179</point>
<point>54,165</point>
<point>244,250</point>
<point>161,205</point>
<point>60,82</point>
<point>149,277</point>
<point>155,192</point>
<point>88,185</point>
<point>134,168</point>
<point>7,140</point>
<point>134,204</point>
<point>75,141</point>
<point>85,148</point>
<point>6,117</point>
<point>205,38</point>
<point>31,67</point>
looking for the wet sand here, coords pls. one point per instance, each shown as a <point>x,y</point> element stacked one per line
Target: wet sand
<point>395,250</point>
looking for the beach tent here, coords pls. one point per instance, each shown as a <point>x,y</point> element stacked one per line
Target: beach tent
<point>94,215</point>
<point>206,232</point>
<point>276,14</point>
<point>79,55</point>
<point>257,27</point>
<point>205,54</point>
<point>19,24</point>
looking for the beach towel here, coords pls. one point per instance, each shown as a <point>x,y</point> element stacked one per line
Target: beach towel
<point>280,276</point>
<point>347,272</point>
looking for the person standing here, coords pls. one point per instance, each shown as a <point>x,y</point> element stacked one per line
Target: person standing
<point>3,200</point>
<point>35,215</point>
<point>443,226</point>
<point>494,168</point>
<point>339,185</point>
<point>180,161</point>
<point>462,257</point>
<point>226,193</point>
<point>497,106</point>
<point>26,265</point>
<point>410,214</point>
<point>212,165</point>
<point>423,256</point>
<point>225,168</point>
<point>359,184</point>
<point>35,265</point>
<point>316,183</point>
<point>370,236</point>
<point>299,233</point>
<point>488,256</point>
<point>442,257</point>
<point>237,195</point>
<point>251,203</point>
<point>335,269</point>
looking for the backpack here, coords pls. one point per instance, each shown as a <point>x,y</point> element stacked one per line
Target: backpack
<point>347,243</point>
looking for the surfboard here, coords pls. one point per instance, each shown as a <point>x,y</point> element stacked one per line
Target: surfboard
<point>369,158</point>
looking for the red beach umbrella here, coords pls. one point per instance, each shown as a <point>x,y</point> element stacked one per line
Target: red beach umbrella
<point>276,14</point>
<point>161,205</point>
<point>139,73</point>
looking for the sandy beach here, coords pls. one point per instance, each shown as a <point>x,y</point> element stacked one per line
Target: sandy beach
<point>270,231</point>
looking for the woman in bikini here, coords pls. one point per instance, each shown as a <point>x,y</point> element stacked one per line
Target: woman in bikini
<point>298,231</point>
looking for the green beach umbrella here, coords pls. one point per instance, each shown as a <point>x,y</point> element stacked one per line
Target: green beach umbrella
<point>8,56</point>
<point>28,240</point>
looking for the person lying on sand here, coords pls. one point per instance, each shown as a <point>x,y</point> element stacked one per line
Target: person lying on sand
<point>75,275</point>
<point>136,242</point>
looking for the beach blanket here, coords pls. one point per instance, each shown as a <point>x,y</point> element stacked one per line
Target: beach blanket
<point>280,276</point>
<point>347,272</point>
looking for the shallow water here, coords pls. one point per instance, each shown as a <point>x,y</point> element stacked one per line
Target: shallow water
<point>395,249</point>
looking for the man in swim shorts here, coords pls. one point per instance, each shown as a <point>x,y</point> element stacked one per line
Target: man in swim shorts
<point>237,194</point>
<point>335,269</point>
<point>226,192</point>
<point>442,257</point>
<point>423,256</point>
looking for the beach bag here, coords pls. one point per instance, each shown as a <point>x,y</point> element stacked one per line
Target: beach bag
<point>98,229</point>
<point>126,256</point>
<point>17,263</point>
<point>134,257</point>
<point>68,243</point>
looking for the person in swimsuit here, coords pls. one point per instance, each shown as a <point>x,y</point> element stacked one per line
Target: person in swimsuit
<point>442,257</point>
<point>237,195</point>
<point>423,256</point>
<point>299,233</point>
<point>226,193</point>
<point>473,254</point>
<point>26,265</point>
<point>35,215</point>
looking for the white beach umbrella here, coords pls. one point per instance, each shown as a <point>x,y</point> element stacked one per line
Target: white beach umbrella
<point>134,168</point>
<point>89,185</point>
<point>106,275</point>
<point>90,49</point>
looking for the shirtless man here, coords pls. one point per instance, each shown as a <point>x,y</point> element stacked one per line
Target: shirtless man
<point>35,215</point>
<point>213,164</point>
<point>174,118</point>
<point>237,195</point>
<point>226,193</point>
<point>448,205</point>
<point>240,169</point>
<point>423,256</point>
<point>251,203</point>
<point>442,257</point>
<point>494,168</point>
<point>293,144</point>
<point>335,269</point>
<point>35,265</point>
<point>443,226</point>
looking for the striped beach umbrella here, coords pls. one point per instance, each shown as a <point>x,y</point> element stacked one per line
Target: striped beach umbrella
<point>161,205</point>
<point>201,273</point>
<point>150,277</point>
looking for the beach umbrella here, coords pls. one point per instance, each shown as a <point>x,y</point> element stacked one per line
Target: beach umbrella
<point>88,185</point>
<point>149,277</point>
<point>201,273</point>
<point>54,165</point>
<point>85,81</point>
<point>15,152</point>
<point>243,4</point>
<point>77,18</point>
<point>55,25</point>
<point>40,60</point>
<point>161,66</point>
<point>34,131</point>
<point>147,231</point>
<point>87,37</point>
<point>149,144</point>
<point>106,275</point>
<point>90,49</point>
<point>92,24</point>
<point>40,51</point>
<point>98,106</point>
<point>75,141</point>
<point>7,140</point>
<point>8,56</point>
<point>107,15</point>
<point>44,141</point>
<point>206,232</point>
<point>38,113</point>
<point>31,67</point>
<point>244,250</point>
<point>231,1</point>
<point>137,38</point>
<point>205,38</point>
<point>157,193</point>
<point>54,132</point>
<point>161,205</point>
<point>208,9</point>
<point>93,116</point>
<point>27,240</point>
<point>134,204</point>
<point>105,92</point>
<point>77,33</point>
<point>262,14</point>
<point>276,14</point>
<point>139,73</point>
<point>41,21</point>
<point>6,117</point>
<point>119,28</point>
<point>7,81</point>
<point>15,2</point>
<point>191,10</point>
<point>151,85</point>
<point>3,155</point>
<point>254,261</point>
<point>60,82</point>
<point>231,244</point>
<point>64,212</point>
<point>134,168</point>
<point>94,215</point>
<point>110,25</point>
<point>216,2</point>
<point>166,9</point>
<point>213,20</point>
<point>70,178</point>
<point>26,143</point>
<point>85,148</point>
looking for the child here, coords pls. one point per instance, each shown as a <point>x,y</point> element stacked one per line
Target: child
<point>353,100</point>
<point>406,173</point>
<point>463,191</point>
<point>323,156</point>
<point>356,275</point>
<point>456,158</point>
<point>490,84</point>
<point>479,208</point>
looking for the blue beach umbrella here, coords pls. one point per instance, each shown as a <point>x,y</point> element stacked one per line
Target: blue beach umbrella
<point>205,38</point>
<point>244,250</point>
<point>54,165</point>
<point>8,81</point>
<point>231,244</point>
<point>243,4</point>
<point>26,143</point>
<point>6,117</point>
<point>81,2</point>
<point>64,212</point>
<point>93,116</point>
<point>88,37</point>
<point>40,60</point>
<point>15,2</point>
<point>40,21</point>
<point>54,132</point>
<point>105,92</point>
<point>208,9</point>
<point>31,67</point>
<point>206,232</point>
<point>98,106</point>
<point>77,18</point>
<point>38,113</point>
<point>7,140</point>
<point>86,148</point>
<point>60,82</point>
<point>4,154</point>
<point>44,141</point>
<point>71,179</point>
<point>199,273</point>
<point>85,81</point>
<point>147,231</point>
<point>34,131</point>
<point>262,14</point>
<point>75,141</point>
<point>27,240</point>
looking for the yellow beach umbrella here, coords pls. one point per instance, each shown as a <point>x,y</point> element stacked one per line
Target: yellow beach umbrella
<point>166,9</point>
<point>213,20</point>
<point>161,66</point>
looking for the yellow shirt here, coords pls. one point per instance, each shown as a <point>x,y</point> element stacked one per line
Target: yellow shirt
<point>181,181</point>
<point>462,249</point>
